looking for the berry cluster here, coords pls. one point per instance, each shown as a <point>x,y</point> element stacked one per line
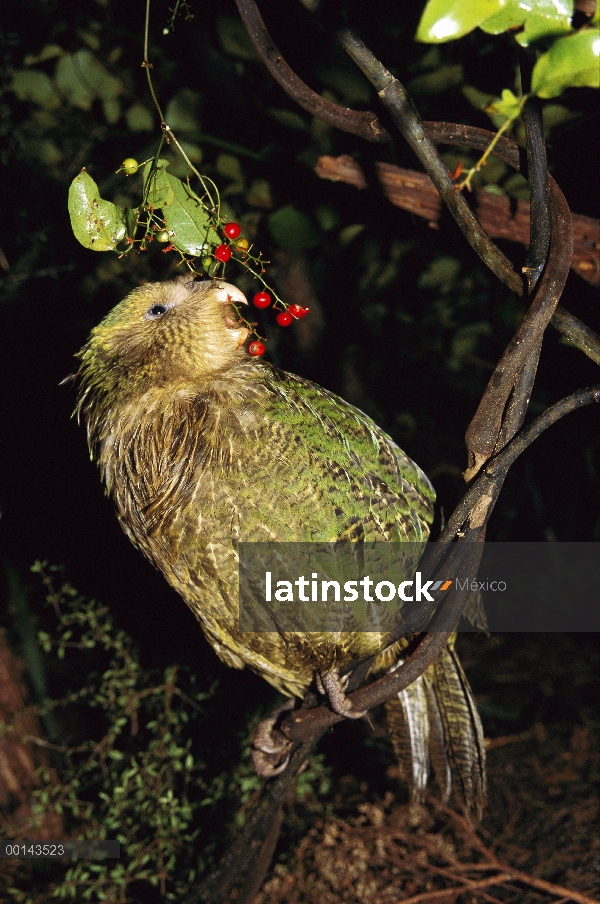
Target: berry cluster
<point>262,299</point>
<point>214,262</point>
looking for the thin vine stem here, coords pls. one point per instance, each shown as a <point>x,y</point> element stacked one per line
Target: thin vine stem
<point>168,133</point>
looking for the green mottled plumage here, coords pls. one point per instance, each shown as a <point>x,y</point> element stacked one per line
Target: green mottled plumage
<point>201,445</point>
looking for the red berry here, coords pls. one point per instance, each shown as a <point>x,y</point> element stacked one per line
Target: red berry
<point>256,349</point>
<point>296,310</point>
<point>222,253</point>
<point>262,300</point>
<point>232,230</point>
<point>283,318</point>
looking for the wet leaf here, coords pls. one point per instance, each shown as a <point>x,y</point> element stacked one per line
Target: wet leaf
<point>446,20</point>
<point>540,19</point>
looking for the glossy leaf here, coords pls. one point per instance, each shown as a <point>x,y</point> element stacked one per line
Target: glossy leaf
<point>446,20</point>
<point>97,224</point>
<point>571,62</point>
<point>188,222</point>
<point>539,19</point>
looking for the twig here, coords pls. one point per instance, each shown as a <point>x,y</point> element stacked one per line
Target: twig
<point>515,875</point>
<point>451,894</point>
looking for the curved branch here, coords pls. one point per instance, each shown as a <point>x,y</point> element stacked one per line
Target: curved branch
<point>484,430</point>
<point>364,124</point>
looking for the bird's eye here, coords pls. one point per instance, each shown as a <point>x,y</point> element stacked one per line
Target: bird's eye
<point>157,310</point>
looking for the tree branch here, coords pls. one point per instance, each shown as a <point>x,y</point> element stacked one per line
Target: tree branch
<point>415,192</point>
<point>364,124</point>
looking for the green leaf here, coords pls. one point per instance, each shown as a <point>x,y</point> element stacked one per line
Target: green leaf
<point>112,110</point>
<point>571,62</point>
<point>508,106</point>
<point>97,224</point>
<point>81,78</point>
<point>289,119</point>
<point>182,110</point>
<point>440,274</point>
<point>139,119</point>
<point>229,166</point>
<point>556,115</point>
<point>158,192</point>
<point>348,234</point>
<point>46,53</point>
<point>292,229</point>
<point>539,19</point>
<point>435,82</point>
<point>35,87</point>
<point>234,38</point>
<point>259,194</point>
<point>446,20</point>
<point>189,222</point>
<point>350,84</point>
<point>478,99</point>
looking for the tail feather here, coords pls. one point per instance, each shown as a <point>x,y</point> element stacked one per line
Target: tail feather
<point>408,725</point>
<point>434,722</point>
<point>437,744</point>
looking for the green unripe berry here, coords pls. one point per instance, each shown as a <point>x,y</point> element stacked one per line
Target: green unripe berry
<point>130,166</point>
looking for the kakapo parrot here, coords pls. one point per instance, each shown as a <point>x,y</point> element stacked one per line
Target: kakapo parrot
<point>200,446</point>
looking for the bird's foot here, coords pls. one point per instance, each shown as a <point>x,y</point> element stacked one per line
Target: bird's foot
<point>332,685</point>
<point>271,750</point>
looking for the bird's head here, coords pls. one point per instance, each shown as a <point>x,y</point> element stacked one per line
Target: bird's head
<point>165,334</point>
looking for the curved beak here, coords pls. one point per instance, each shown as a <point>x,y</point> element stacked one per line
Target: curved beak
<point>229,294</point>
